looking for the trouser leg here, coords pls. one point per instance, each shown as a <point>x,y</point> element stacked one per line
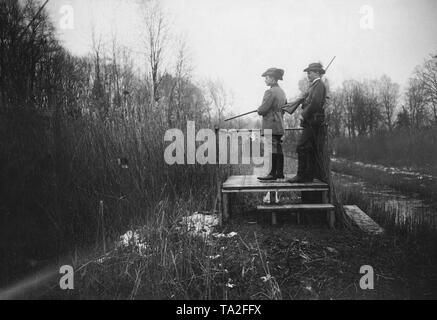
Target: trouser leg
<point>301,168</point>
<point>303,148</point>
<point>310,168</point>
<point>280,166</point>
<point>274,164</point>
<point>272,174</point>
<point>279,158</point>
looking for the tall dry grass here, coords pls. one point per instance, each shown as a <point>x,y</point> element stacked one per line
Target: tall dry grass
<point>51,196</point>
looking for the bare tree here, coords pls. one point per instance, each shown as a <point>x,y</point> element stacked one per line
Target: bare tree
<point>336,113</point>
<point>177,87</point>
<point>156,39</point>
<point>217,97</point>
<point>357,105</point>
<point>388,94</point>
<point>427,75</point>
<point>416,103</point>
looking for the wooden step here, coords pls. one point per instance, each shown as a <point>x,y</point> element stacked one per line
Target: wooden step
<point>291,207</point>
<point>362,220</point>
<point>273,209</point>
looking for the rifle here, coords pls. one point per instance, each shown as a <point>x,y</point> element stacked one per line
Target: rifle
<point>292,107</point>
<point>242,115</point>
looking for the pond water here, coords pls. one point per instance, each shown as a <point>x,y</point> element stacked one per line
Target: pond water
<point>403,209</point>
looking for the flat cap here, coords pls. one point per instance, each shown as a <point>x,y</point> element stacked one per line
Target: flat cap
<point>275,73</point>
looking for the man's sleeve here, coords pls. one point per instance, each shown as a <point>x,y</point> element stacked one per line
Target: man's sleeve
<point>316,100</point>
<point>267,103</point>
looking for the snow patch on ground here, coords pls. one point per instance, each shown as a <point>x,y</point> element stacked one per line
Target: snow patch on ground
<point>200,224</point>
<point>223,235</point>
<point>133,239</point>
<point>391,170</point>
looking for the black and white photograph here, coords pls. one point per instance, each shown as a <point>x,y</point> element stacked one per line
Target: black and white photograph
<point>218,156</point>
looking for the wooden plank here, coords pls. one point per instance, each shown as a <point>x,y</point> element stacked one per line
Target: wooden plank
<point>289,207</point>
<point>252,184</point>
<point>252,181</point>
<point>251,190</point>
<point>234,180</point>
<point>362,220</point>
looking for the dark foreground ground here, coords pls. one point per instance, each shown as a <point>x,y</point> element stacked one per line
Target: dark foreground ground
<point>263,262</point>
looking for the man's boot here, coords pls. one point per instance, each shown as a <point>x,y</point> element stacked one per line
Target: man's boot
<point>280,166</point>
<point>301,168</point>
<point>272,174</point>
<point>311,166</point>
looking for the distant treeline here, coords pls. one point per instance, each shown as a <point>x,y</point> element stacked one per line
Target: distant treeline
<point>372,120</point>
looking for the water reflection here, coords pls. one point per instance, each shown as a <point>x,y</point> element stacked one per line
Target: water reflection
<point>404,210</point>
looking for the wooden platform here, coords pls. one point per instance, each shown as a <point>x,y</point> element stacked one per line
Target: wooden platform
<point>242,184</point>
<point>236,184</point>
<point>291,207</point>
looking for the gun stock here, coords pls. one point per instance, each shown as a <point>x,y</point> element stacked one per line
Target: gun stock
<point>292,107</point>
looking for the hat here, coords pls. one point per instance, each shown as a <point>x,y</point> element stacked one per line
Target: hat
<point>274,72</point>
<point>315,67</point>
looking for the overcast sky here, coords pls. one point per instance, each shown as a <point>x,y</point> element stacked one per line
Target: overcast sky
<point>236,40</point>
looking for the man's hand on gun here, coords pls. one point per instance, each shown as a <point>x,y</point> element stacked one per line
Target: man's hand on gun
<point>292,106</point>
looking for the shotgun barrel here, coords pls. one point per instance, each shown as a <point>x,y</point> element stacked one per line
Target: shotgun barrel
<point>241,115</point>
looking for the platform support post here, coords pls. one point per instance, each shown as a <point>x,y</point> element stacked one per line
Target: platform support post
<point>274,221</point>
<point>332,219</point>
<point>225,206</point>
<point>218,199</point>
<point>330,214</point>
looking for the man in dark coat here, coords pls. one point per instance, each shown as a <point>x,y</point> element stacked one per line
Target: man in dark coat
<point>273,118</point>
<point>313,118</point>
